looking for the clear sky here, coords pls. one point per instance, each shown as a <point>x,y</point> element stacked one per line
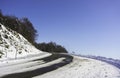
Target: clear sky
<point>90,27</point>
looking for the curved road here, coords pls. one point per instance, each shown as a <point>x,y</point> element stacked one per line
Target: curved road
<point>65,59</point>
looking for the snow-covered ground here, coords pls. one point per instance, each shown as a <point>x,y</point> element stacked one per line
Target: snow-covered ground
<point>84,68</point>
<point>115,62</point>
<point>23,66</point>
<point>26,59</point>
<point>80,67</point>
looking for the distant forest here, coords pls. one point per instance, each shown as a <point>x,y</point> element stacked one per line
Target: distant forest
<point>26,29</point>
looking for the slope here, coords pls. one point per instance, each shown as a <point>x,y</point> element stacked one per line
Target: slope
<point>14,45</point>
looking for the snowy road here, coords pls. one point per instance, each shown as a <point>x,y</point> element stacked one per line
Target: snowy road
<point>35,67</point>
<point>58,66</point>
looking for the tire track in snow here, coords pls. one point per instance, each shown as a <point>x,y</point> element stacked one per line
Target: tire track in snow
<point>39,71</point>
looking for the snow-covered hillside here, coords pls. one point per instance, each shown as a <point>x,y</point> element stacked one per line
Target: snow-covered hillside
<point>13,45</point>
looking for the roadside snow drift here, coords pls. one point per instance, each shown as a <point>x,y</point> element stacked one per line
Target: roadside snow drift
<point>14,45</point>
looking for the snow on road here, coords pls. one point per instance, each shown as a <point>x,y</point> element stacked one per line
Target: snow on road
<point>27,67</point>
<point>84,68</point>
<point>31,65</point>
<point>15,65</point>
<point>80,67</point>
<point>20,60</point>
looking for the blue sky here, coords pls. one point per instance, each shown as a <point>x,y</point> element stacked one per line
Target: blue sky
<point>90,27</point>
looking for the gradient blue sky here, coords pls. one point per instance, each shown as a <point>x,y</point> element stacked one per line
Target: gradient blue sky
<point>90,27</point>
